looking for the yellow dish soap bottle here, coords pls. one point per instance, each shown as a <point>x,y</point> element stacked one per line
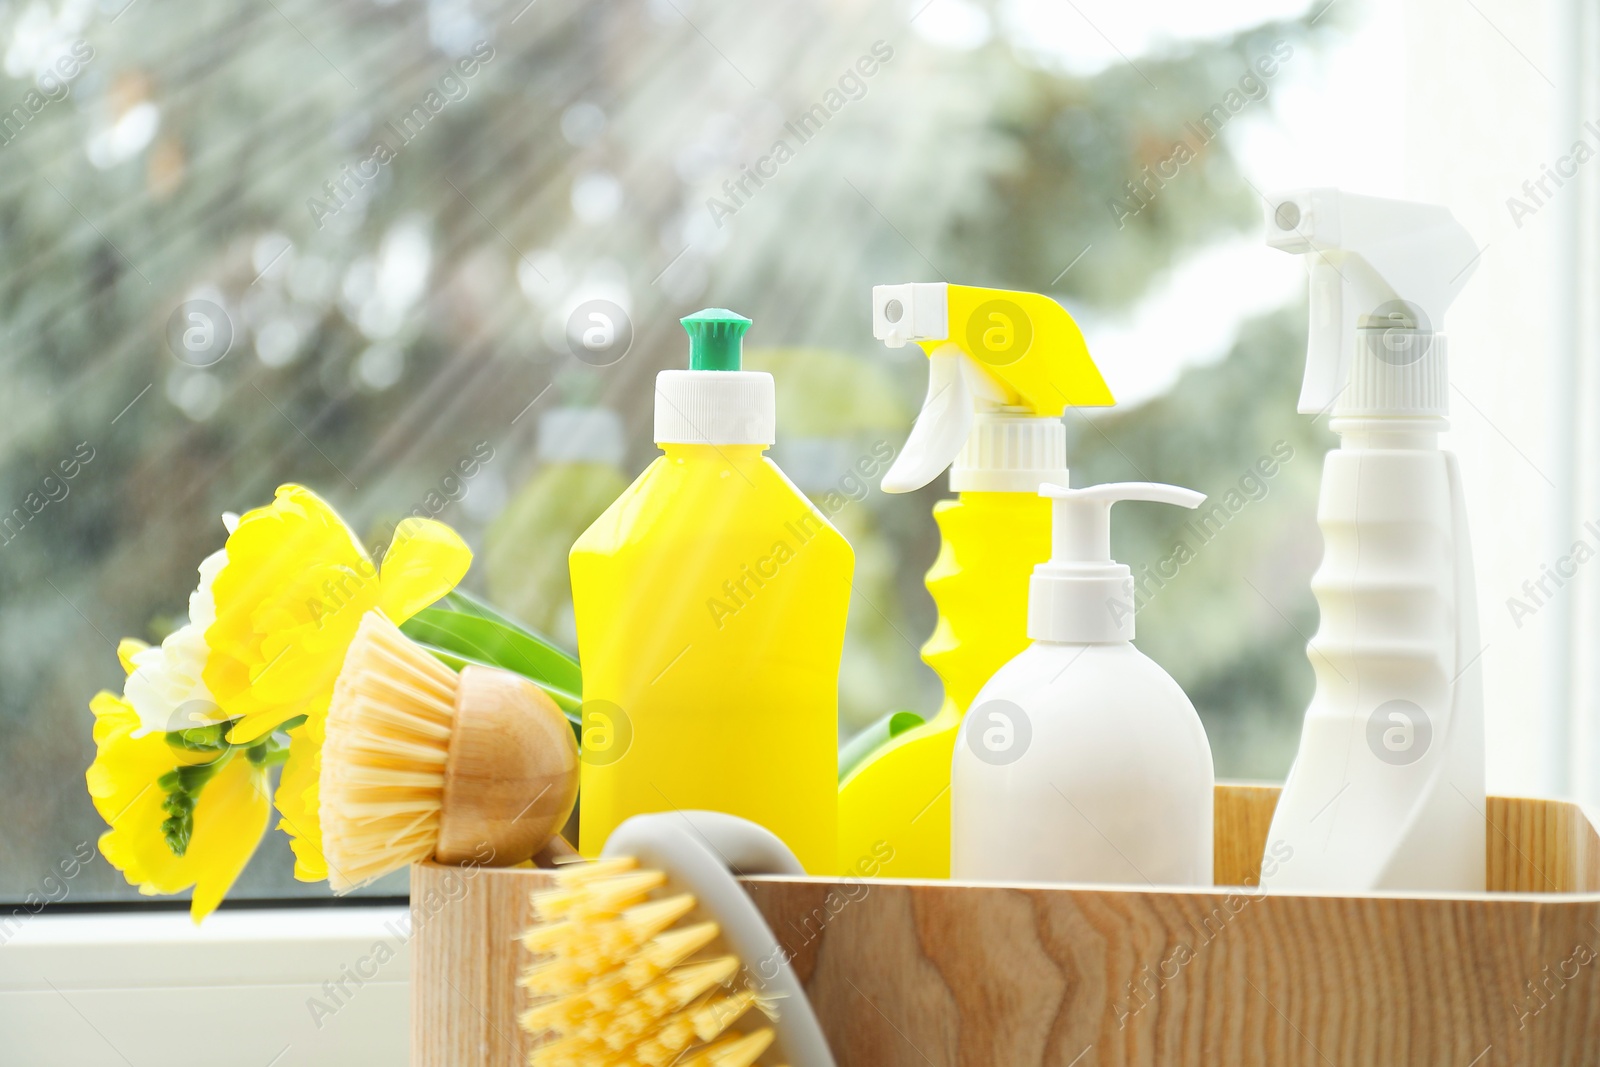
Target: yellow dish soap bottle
<point>710,601</point>
<point>1003,368</point>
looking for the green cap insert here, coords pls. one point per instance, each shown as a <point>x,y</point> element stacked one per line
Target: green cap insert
<point>716,339</point>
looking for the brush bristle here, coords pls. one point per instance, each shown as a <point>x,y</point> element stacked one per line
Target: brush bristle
<point>617,981</point>
<point>388,735</point>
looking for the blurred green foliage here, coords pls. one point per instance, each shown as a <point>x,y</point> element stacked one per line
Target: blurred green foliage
<point>376,347</point>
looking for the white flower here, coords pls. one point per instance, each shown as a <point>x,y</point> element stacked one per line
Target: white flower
<point>167,688</point>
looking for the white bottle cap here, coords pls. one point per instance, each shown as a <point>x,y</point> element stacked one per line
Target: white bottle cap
<point>1009,453</point>
<point>1397,372</point>
<point>581,435</point>
<point>1082,596</point>
<point>715,407</point>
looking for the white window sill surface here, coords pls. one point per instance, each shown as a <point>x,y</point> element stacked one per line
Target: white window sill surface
<point>288,987</point>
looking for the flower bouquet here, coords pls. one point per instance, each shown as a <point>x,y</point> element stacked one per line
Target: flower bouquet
<point>185,756</point>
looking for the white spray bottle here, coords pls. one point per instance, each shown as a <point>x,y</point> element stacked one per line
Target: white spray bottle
<point>1387,791</point>
<point>1081,759</point>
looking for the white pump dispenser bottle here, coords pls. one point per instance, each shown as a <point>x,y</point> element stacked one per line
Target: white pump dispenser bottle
<point>1082,760</point>
<point>1387,791</point>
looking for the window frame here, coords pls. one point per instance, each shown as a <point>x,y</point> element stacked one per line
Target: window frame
<point>113,984</point>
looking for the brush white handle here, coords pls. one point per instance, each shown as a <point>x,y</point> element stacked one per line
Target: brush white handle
<point>695,850</point>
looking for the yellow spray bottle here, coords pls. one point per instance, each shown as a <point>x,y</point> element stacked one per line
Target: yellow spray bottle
<point>1003,368</point>
<point>710,601</point>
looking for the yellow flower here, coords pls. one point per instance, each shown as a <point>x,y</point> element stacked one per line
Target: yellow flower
<point>128,648</point>
<point>269,624</point>
<point>298,796</point>
<point>291,595</point>
<point>288,601</point>
<point>230,813</point>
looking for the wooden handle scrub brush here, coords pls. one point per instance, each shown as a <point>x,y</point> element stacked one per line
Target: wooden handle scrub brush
<point>420,761</point>
<point>654,955</point>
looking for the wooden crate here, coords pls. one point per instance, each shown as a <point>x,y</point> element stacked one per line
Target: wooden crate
<point>929,974</point>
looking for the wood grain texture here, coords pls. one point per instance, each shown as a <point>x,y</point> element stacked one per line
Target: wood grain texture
<point>930,974</point>
<point>1542,846</point>
<point>465,959</point>
<point>1243,815</point>
<point>509,743</point>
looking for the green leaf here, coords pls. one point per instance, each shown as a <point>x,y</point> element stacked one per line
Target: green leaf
<point>467,604</point>
<point>498,644</point>
<point>863,745</point>
<point>512,645</point>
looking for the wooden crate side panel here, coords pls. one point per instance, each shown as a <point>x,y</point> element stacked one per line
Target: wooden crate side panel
<point>465,960</point>
<point>1541,846</point>
<point>937,973</point>
<point>1242,815</point>
<point>957,975</point>
<point>1532,846</point>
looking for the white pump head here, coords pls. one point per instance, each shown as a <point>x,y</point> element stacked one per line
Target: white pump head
<point>1082,596</point>
<point>1390,268</point>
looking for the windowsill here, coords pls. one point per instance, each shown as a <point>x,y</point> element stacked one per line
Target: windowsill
<point>250,988</point>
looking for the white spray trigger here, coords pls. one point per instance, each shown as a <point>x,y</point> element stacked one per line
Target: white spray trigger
<point>943,423</point>
<point>1371,261</point>
<point>914,311</point>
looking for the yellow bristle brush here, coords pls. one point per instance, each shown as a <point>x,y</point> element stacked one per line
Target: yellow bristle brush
<point>420,761</point>
<point>653,955</point>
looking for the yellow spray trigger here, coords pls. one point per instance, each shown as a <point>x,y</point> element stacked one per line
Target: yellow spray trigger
<point>989,350</point>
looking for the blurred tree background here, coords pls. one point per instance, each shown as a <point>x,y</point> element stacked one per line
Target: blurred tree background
<point>390,319</point>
